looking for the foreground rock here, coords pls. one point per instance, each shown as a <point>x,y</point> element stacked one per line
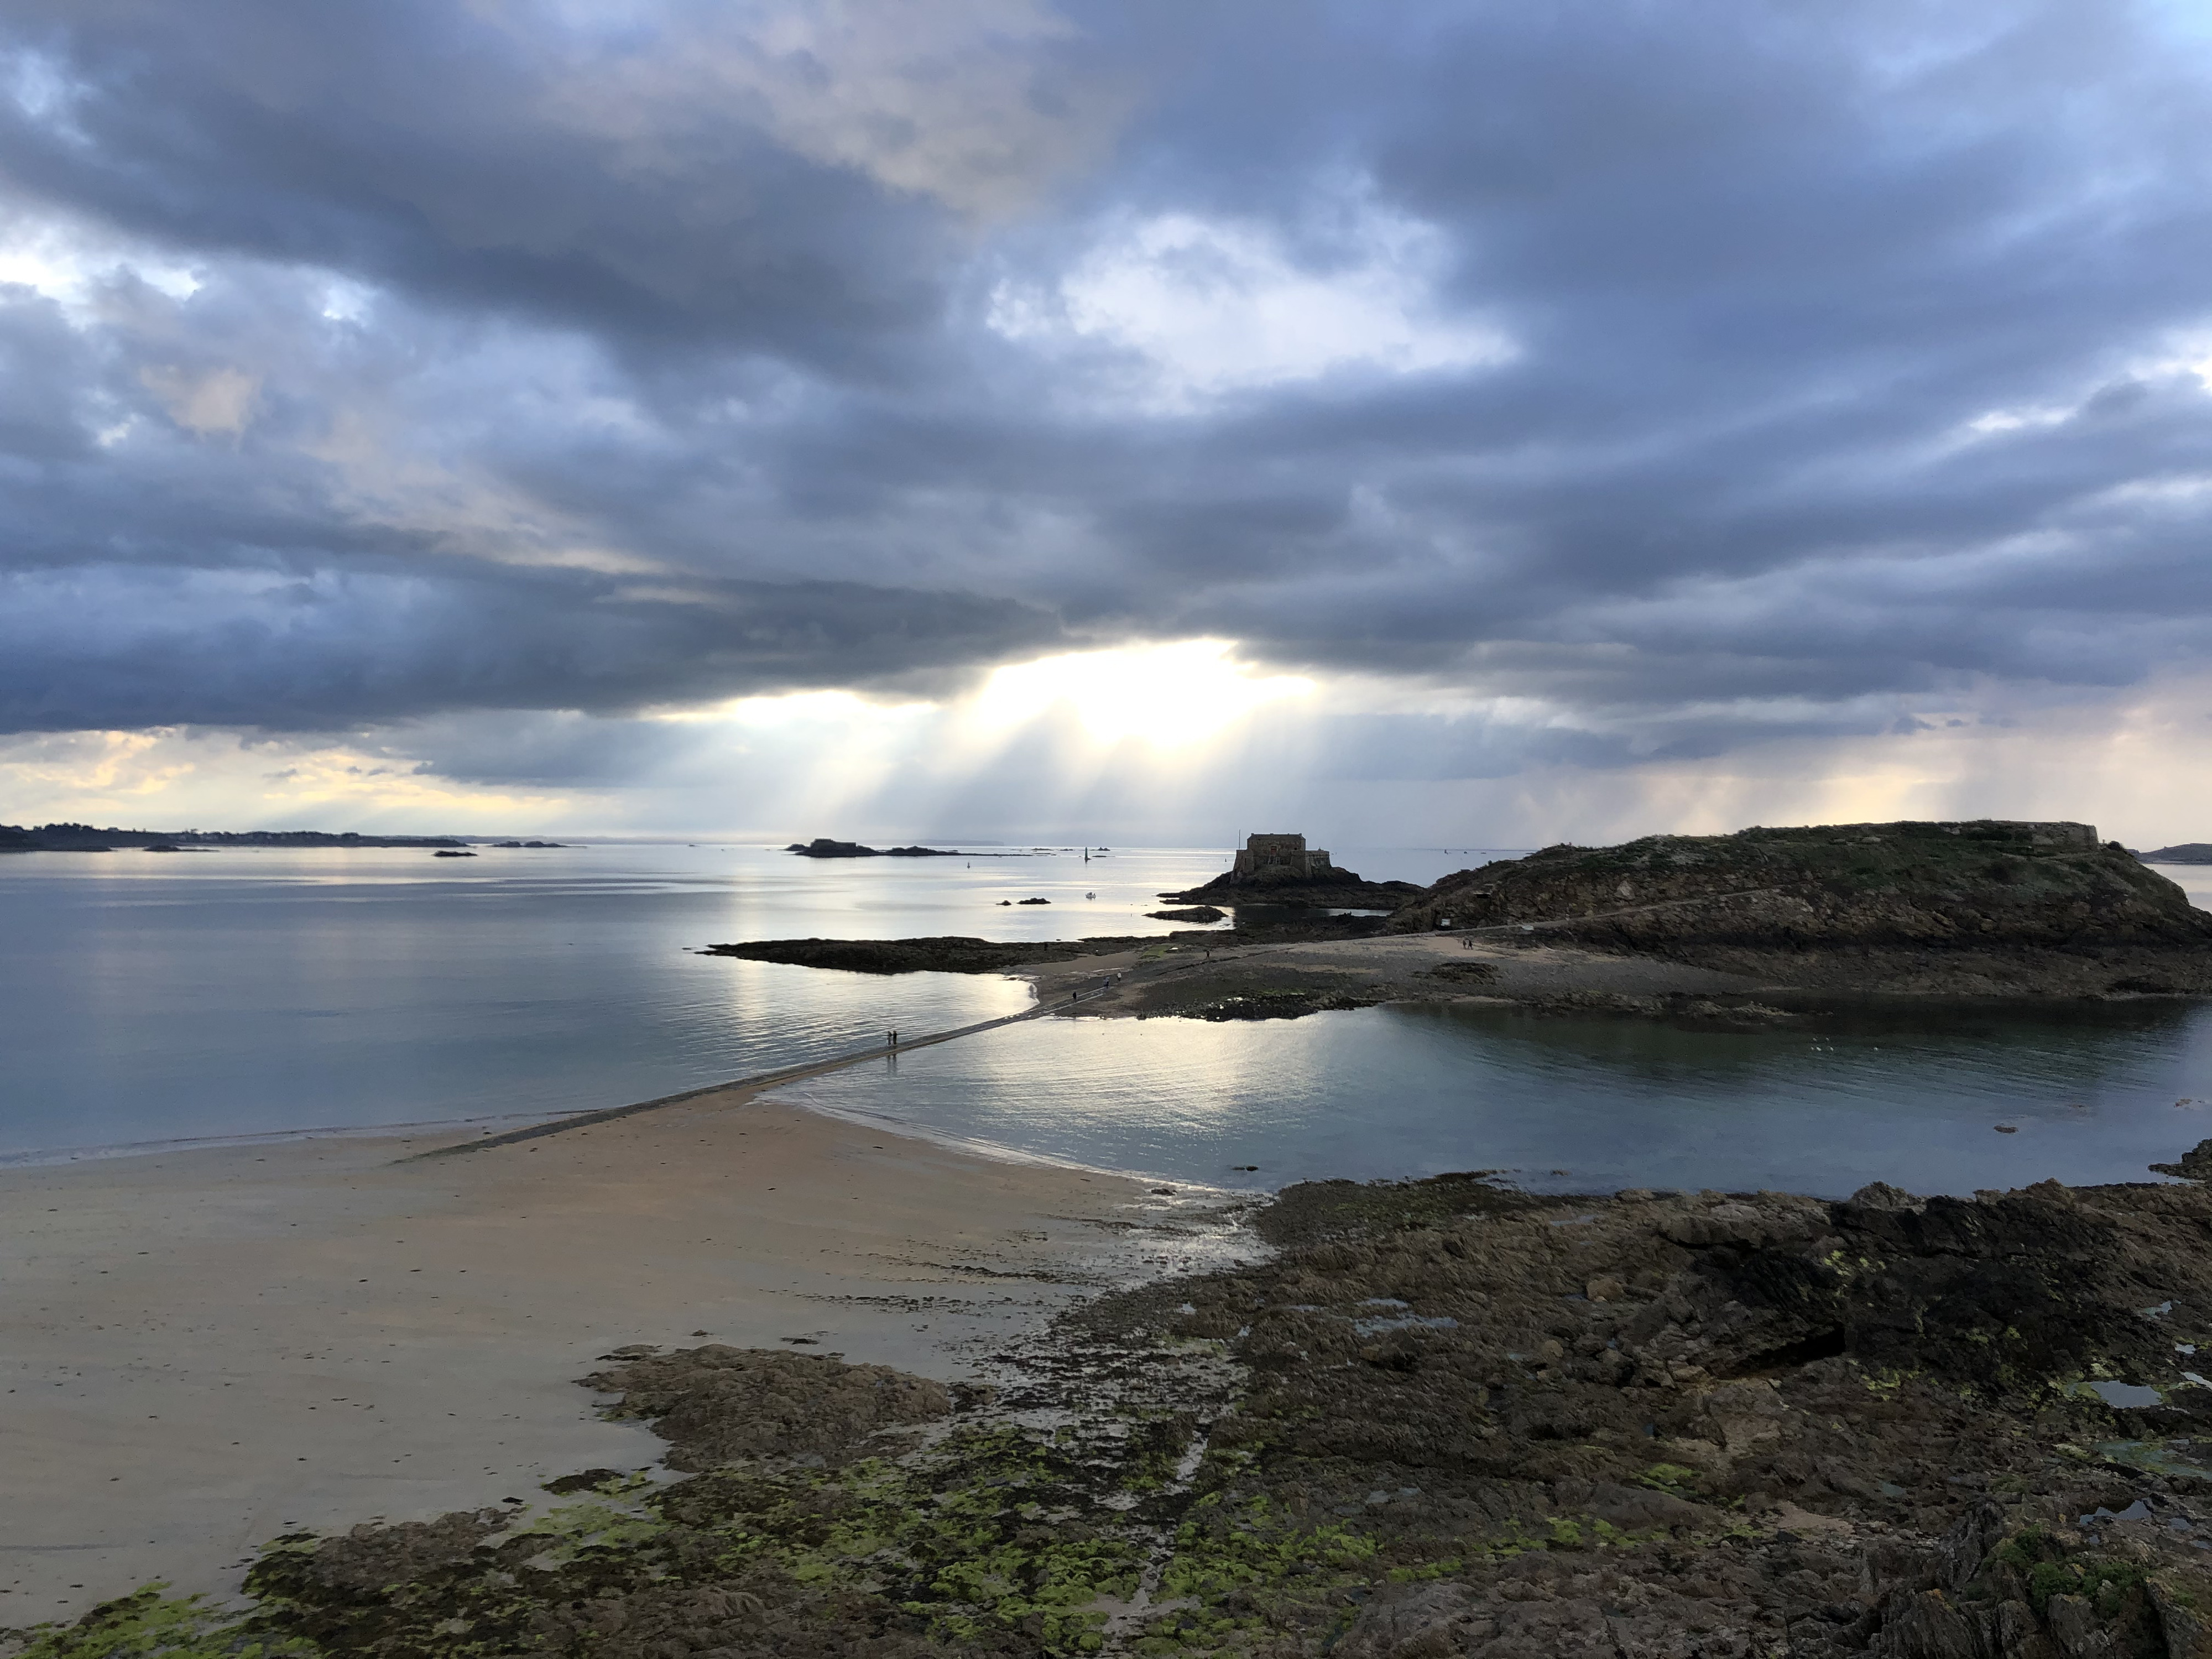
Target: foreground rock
<point>719,1404</point>
<point>1983,907</point>
<point>1445,1419</point>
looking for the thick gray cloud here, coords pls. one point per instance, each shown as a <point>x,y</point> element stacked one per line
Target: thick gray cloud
<point>1706,376</point>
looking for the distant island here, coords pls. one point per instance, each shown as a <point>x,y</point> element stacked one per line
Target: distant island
<point>823,847</point>
<point>84,838</point>
<point>2190,852</point>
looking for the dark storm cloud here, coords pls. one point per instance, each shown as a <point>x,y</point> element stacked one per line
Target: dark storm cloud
<point>1709,377</point>
<point>437,148</point>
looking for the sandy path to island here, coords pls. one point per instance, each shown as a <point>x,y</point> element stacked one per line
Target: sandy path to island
<point>204,1349</point>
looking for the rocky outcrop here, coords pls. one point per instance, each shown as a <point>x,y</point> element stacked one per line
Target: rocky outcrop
<point>1282,871</point>
<point>823,847</point>
<point>718,1404</point>
<point>1982,906</point>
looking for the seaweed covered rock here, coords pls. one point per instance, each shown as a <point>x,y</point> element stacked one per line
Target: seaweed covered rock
<point>717,1404</point>
<point>369,1557</point>
<point>1716,1423</point>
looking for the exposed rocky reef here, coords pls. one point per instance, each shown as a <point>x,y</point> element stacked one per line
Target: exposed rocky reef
<point>719,1404</point>
<point>1444,1419</point>
<point>945,954</point>
<point>823,847</point>
<point>1987,908</point>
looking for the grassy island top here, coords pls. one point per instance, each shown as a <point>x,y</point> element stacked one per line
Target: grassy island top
<point>1919,884</point>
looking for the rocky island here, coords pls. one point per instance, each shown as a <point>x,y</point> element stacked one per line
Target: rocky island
<point>1281,870</point>
<point>1984,907</point>
<point>823,847</point>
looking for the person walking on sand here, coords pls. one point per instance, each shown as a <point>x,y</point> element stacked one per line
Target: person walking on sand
<point>891,1041</point>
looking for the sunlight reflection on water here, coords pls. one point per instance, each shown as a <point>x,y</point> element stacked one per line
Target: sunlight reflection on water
<point>1895,1094</point>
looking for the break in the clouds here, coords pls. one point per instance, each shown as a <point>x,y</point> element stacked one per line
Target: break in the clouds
<point>1591,385</point>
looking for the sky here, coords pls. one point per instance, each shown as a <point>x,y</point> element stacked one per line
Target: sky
<point>1428,424</point>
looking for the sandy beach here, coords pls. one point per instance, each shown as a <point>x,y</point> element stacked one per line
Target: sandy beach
<point>208,1348</point>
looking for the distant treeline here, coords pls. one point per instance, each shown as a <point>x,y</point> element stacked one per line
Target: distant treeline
<point>85,838</point>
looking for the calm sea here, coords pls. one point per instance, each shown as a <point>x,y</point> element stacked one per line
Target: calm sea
<point>153,997</point>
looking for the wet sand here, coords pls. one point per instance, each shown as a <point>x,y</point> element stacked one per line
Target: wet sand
<point>208,1348</point>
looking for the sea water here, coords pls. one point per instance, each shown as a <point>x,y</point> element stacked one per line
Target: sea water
<point>1948,1099</point>
<point>159,997</point>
